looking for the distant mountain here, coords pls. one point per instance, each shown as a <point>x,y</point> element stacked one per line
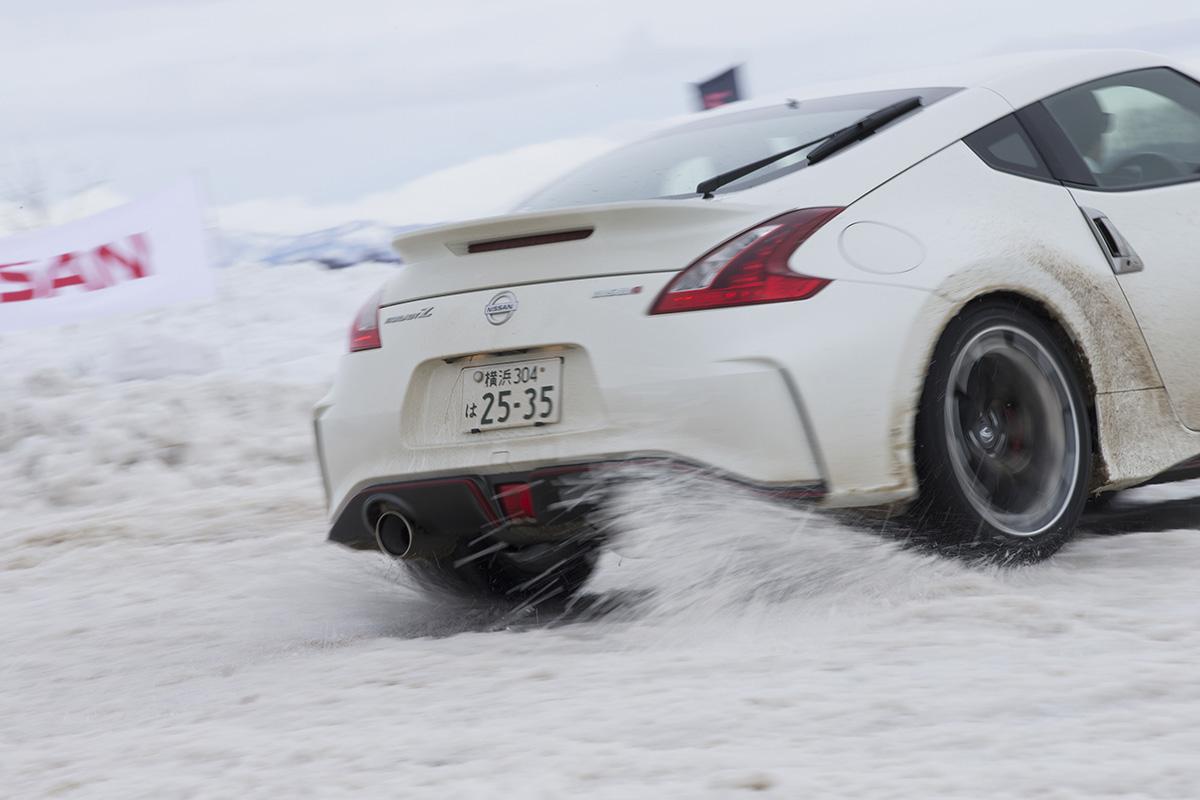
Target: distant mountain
<point>341,246</point>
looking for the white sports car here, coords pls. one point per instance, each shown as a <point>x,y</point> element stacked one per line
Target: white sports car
<point>974,295</point>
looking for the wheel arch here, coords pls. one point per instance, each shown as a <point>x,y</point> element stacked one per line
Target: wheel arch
<point>990,235</point>
<point>1061,328</point>
<point>1135,433</point>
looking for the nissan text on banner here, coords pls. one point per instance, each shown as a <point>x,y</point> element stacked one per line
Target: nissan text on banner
<point>719,90</point>
<point>139,256</point>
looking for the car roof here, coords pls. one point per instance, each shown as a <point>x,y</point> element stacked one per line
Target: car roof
<point>986,89</point>
<point>1024,78</point>
<point>1021,78</point>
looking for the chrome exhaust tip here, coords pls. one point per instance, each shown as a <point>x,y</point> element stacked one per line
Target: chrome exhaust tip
<point>397,536</point>
<point>394,534</point>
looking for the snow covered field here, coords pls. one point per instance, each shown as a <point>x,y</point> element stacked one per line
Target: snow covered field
<point>173,625</point>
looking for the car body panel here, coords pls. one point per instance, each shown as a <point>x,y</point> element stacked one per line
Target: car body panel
<point>1162,224</point>
<point>985,231</point>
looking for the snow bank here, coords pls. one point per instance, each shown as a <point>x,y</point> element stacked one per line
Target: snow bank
<point>174,626</point>
<point>109,417</point>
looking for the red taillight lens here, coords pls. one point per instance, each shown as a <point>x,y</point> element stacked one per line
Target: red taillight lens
<point>517,501</point>
<point>749,268</point>
<point>364,333</point>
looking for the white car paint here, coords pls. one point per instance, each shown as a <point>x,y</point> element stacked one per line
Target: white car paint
<point>821,390</point>
<point>880,247</point>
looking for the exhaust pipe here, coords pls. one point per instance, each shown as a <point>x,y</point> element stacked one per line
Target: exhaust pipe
<point>397,536</point>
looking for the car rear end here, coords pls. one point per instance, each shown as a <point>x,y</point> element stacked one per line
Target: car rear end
<point>509,355</point>
<point>559,369</point>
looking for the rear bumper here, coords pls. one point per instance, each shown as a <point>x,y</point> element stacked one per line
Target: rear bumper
<point>456,506</point>
<point>817,393</point>
<point>393,411</point>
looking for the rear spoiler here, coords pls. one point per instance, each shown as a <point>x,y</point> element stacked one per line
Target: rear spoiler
<point>560,225</point>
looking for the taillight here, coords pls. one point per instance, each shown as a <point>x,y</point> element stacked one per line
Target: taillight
<point>364,333</point>
<point>750,268</point>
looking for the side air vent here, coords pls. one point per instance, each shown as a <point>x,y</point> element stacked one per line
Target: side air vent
<point>529,241</point>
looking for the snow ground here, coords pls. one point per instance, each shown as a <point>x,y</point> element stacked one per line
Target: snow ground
<point>172,624</point>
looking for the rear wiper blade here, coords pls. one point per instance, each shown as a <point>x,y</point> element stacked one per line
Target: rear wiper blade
<point>707,187</point>
<point>863,128</point>
<point>832,142</point>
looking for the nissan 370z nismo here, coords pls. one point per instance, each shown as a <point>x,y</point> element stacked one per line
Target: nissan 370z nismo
<point>974,295</point>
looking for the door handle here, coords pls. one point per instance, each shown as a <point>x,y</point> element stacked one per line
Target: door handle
<point>1120,253</point>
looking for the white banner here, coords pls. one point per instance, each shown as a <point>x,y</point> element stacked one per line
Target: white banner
<point>143,255</point>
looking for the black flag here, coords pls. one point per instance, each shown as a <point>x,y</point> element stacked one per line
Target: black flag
<point>719,90</point>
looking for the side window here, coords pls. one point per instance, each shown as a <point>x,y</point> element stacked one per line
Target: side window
<point>1004,145</point>
<point>1133,130</point>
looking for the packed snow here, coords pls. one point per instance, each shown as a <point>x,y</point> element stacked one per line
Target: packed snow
<point>336,247</point>
<point>174,624</point>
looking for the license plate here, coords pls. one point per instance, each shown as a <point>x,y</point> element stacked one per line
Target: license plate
<point>516,394</point>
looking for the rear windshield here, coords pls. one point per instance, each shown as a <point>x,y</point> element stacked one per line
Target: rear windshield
<point>671,163</point>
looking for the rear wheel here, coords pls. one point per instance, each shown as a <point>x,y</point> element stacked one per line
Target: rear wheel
<point>1003,440</point>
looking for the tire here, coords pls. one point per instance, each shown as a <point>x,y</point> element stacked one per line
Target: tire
<point>1003,439</point>
<point>1101,503</point>
<point>534,573</point>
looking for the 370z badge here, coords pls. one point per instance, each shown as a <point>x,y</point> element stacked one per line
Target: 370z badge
<point>422,314</point>
<point>500,308</point>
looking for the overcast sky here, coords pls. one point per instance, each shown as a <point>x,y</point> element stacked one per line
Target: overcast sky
<point>309,111</point>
